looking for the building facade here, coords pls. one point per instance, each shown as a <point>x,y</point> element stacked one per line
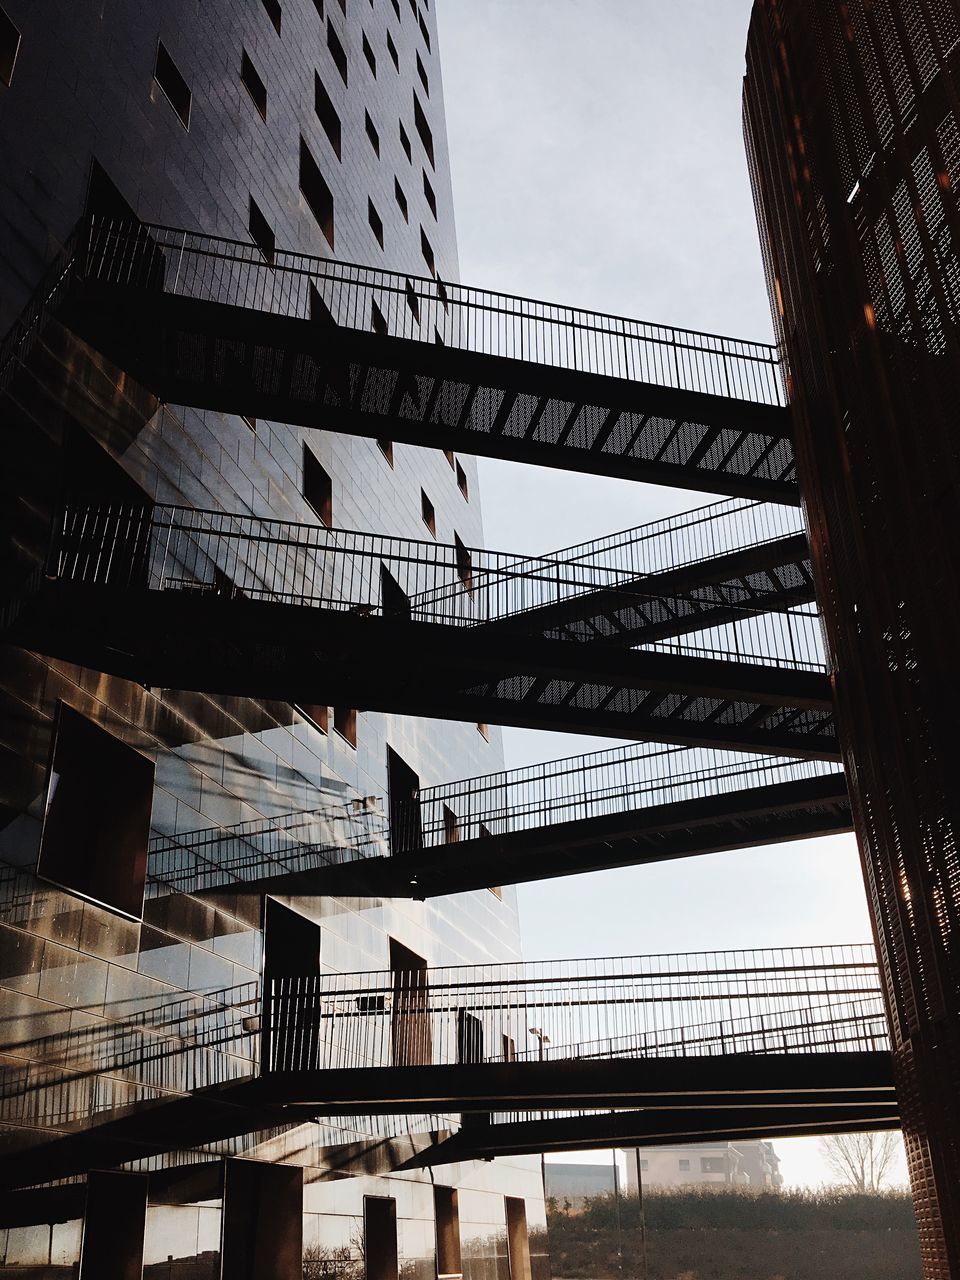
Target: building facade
<point>732,1164</point>
<point>313,125</point>
<point>853,134</point>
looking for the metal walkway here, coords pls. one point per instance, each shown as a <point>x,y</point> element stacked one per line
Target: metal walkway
<point>624,806</point>
<point>229,604</point>
<point>216,324</point>
<point>796,1036</point>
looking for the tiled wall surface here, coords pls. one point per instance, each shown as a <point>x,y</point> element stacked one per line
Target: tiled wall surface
<point>100,1010</point>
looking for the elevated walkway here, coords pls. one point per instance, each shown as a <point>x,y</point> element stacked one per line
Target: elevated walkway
<point>726,1036</point>
<point>216,324</point>
<point>237,605</point>
<point>624,806</point>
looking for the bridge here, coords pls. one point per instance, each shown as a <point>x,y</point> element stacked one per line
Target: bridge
<point>231,604</point>
<point>791,1037</point>
<point>623,806</point>
<point>218,324</point>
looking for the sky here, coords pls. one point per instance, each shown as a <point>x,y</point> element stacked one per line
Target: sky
<point>597,160</point>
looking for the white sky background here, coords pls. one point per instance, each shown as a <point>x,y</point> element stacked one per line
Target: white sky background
<point>598,160</point>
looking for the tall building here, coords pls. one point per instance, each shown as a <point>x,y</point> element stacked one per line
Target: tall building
<point>127,976</point>
<point>853,132</point>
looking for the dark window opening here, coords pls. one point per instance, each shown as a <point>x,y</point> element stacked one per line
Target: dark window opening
<point>317,487</point>
<point>424,31</point>
<point>464,563</point>
<point>442,293</point>
<point>448,454</point>
<point>711,1164</point>
<point>401,199</point>
<point>251,422</point>
<point>315,191</point>
<point>403,798</point>
<point>462,482</point>
<point>343,7</point>
<point>380,1253</point>
<point>392,50</point>
<point>438,341</point>
<point>318,716</point>
<point>426,248</point>
<point>451,826</point>
<point>368,53</point>
<point>274,12</point>
<point>469,1041</point>
<point>320,313</point>
<point>172,83</point>
<point>394,600</point>
<point>428,513</point>
<point>413,302</point>
<point>9,48</point>
<point>496,890</point>
<point>429,193</point>
<point>318,5</point>
<point>261,232</point>
<point>411,1034</point>
<point>337,51</point>
<point>378,322</point>
<point>104,197</point>
<point>518,1239</point>
<point>423,129</point>
<point>509,1047</point>
<point>386,448</point>
<point>483,729</point>
<point>422,73</point>
<point>326,114</point>
<point>253,84</point>
<point>396,9</point>
<point>376,222</point>
<point>446,1212</point>
<point>345,723</point>
<point>372,134</point>
<point>405,143</point>
<point>413,7</point>
<point>291,949</point>
<point>96,823</point>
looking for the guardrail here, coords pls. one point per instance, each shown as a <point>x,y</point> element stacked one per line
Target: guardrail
<point>166,548</point>
<point>638,1006</point>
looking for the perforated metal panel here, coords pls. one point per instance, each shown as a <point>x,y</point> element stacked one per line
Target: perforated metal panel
<point>851,124</point>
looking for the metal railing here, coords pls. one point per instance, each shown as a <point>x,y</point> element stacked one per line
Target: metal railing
<point>211,552</point>
<point>781,1000</point>
<point>211,268</point>
<point>601,783</point>
<point>214,857</point>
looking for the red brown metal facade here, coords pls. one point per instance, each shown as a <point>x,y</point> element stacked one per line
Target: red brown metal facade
<point>852,123</point>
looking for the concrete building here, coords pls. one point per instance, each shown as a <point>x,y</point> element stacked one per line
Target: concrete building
<point>308,125</point>
<point>734,1164</point>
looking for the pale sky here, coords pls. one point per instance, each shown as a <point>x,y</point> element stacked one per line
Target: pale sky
<point>597,160</point>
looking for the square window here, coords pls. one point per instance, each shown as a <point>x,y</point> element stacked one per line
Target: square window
<point>261,231</point>
<point>315,191</point>
<point>326,114</point>
<point>426,248</point>
<point>462,482</point>
<point>423,129</point>
<point>428,513</point>
<point>172,83</point>
<point>96,824</point>
<point>405,143</point>
<point>369,55</point>
<point>683,1165</point>
<point>386,448</point>
<point>429,193</point>
<point>401,199</point>
<point>422,73</point>
<point>337,51</point>
<point>376,222</point>
<point>274,12</point>
<point>317,487</point>
<point>9,48</point>
<point>371,132</point>
<point>253,84</point>
<point>345,723</point>
<point>392,50</point>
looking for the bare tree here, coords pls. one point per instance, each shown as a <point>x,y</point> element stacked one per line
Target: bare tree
<point>860,1161</point>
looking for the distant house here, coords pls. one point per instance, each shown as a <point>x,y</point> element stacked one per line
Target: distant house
<point>737,1164</point>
